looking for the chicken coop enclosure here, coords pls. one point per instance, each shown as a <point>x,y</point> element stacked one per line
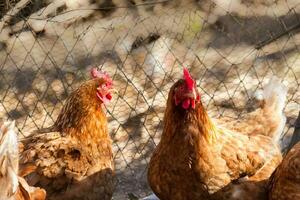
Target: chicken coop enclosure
<point>232,48</point>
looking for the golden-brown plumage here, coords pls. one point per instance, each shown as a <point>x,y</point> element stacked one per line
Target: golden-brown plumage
<point>284,184</point>
<point>268,119</point>
<point>285,181</point>
<point>76,161</point>
<point>196,158</point>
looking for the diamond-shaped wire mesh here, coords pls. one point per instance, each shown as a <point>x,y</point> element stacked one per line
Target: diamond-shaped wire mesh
<point>47,48</point>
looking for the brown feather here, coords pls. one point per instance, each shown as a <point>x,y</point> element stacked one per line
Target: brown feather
<point>77,161</point>
<point>285,181</point>
<point>196,157</point>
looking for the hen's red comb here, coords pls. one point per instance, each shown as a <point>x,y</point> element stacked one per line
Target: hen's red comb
<point>188,79</point>
<point>95,73</point>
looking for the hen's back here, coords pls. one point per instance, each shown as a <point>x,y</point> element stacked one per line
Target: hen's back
<point>68,168</point>
<point>268,119</point>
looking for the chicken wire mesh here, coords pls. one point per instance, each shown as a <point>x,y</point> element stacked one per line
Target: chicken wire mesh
<point>47,48</point>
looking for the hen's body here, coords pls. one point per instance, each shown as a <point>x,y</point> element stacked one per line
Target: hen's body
<point>285,181</point>
<point>196,158</point>
<point>76,161</point>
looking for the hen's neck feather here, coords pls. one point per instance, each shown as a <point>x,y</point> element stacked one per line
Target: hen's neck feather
<point>82,114</point>
<point>192,121</point>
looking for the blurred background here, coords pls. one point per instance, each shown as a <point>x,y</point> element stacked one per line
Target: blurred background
<point>232,48</point>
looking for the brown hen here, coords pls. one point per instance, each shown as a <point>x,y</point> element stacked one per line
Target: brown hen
<point>283,184</point>
<point>75,159</point>
<point>196,158</point>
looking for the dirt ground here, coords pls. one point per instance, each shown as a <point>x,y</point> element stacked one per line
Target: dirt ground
<point>144,49</point>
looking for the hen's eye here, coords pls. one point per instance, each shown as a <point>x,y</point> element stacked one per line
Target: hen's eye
<point>179,88</point>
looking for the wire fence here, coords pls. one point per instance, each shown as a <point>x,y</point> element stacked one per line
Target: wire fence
<point>231,47</point>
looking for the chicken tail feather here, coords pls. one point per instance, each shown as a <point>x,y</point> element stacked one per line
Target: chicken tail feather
<point>9,159</point>
<point>274,96</point>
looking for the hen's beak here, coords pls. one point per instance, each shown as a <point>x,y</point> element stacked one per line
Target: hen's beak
<point>192,94</point>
